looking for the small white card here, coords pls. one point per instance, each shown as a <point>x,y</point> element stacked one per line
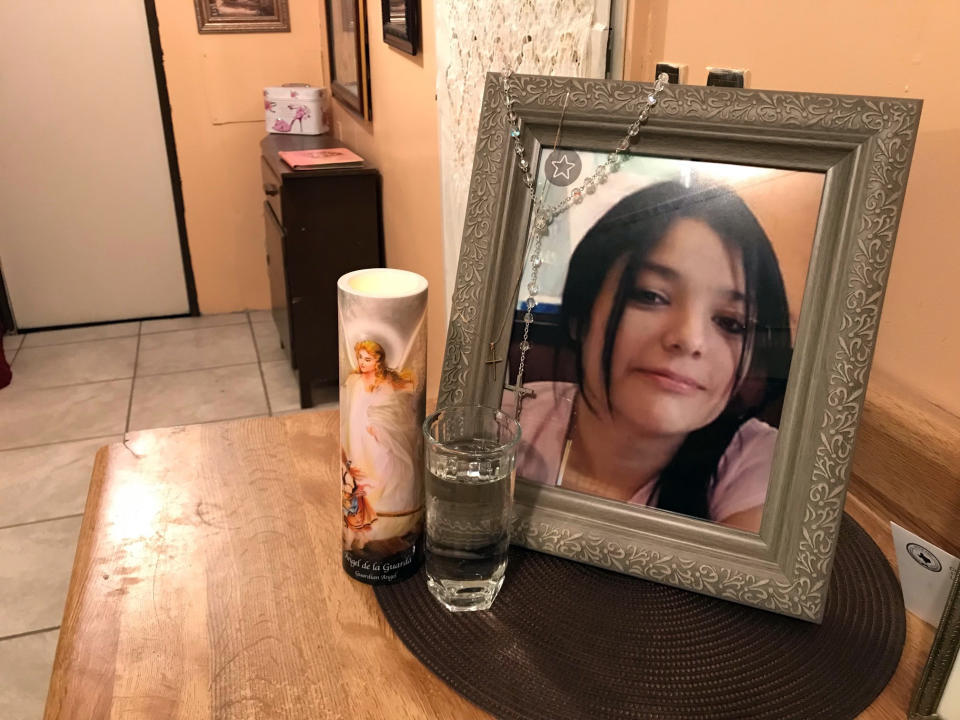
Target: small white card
<point>926,574</point>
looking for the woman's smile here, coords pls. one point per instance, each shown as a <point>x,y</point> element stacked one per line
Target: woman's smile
<point>671,381</point>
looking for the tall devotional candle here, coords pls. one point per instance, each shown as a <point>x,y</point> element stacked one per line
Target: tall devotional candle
<point>383,368</point>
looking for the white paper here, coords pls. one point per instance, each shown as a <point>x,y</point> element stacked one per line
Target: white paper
<point>926,573</point>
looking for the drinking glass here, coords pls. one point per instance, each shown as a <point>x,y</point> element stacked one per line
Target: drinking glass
<point>469,476</point>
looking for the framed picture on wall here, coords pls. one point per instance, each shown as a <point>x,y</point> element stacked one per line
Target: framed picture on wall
<point>401,24</point>
<point>242,16</point>
<point>349,55</point>
<point>676,290</point>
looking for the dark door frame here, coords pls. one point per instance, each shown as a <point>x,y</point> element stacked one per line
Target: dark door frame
<point>153,26</point>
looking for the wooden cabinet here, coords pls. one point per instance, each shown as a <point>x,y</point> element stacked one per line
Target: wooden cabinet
<point>319,224</point>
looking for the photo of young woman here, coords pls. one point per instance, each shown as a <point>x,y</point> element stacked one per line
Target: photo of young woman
<point>676,316</point>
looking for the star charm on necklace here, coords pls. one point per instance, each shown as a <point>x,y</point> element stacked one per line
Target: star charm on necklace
<point>562,167</point>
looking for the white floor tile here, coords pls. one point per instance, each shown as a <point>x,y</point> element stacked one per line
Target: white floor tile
<point>268,341</point>
<point>282,386</point>
<point>81,334</point>
<point>258,316</point>
<point>195,349</point>
<point>11,344</point>
<point>25,666</point>
<point>35,565</point>
<point>192,323</point>
<point>49,415</point>
<point>73,363</point>
<point>197,396</point>
<point>48,481</point>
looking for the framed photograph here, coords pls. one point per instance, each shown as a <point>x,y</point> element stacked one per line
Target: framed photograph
<point>349,55</point>
<point>938,694</point>
<point>242,16</point>
<point>695,315</point>
<point>401,24</point>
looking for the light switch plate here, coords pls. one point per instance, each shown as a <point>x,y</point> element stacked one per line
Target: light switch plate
<point>926,573</point>
<point>677,72</point>
<point>728,77</point>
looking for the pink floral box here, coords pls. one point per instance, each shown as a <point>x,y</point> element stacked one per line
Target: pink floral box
<point>296,109</point>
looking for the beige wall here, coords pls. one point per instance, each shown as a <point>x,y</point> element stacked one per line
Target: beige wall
<point>858,47</point>
<point>402,143</point>
<point>216,95</point>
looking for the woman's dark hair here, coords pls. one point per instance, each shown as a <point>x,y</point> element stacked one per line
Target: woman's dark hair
<point>627,233</point>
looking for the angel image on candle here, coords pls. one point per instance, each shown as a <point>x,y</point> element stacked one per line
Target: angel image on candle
<point>380,444</point>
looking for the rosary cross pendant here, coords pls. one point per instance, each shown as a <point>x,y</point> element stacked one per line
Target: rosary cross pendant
<point>520,391</point>
<point>493,359</point>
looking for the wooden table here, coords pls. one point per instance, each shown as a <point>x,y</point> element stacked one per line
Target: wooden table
<point>207,584</point>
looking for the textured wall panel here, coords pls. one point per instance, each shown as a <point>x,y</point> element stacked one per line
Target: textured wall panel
<point>475,37</point>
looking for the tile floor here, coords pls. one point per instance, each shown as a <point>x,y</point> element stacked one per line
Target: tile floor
<point>73,391</point>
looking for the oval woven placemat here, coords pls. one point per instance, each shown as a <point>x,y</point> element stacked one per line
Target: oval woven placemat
<point>570,641</point>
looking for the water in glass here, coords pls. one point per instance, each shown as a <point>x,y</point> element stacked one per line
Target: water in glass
<point>469,506</point>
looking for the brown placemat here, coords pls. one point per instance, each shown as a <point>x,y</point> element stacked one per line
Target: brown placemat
<point>565,640</point>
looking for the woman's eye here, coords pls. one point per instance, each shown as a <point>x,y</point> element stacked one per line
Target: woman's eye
<point>648,297</point>
<point>731,325</point>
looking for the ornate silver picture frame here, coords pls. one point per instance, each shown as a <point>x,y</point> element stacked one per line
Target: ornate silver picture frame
<point>938,695</point>
<point>862,147</point>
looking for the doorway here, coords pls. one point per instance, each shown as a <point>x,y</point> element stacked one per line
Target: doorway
<point>91,214</point>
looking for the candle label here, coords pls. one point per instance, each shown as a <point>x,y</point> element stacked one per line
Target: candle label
<point>378,572</point>
<point>382,381</point>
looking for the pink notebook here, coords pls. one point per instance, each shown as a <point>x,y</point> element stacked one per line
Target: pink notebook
<point>312,159</point>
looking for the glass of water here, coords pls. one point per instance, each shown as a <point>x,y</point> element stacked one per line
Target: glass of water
<point>470,459</point>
